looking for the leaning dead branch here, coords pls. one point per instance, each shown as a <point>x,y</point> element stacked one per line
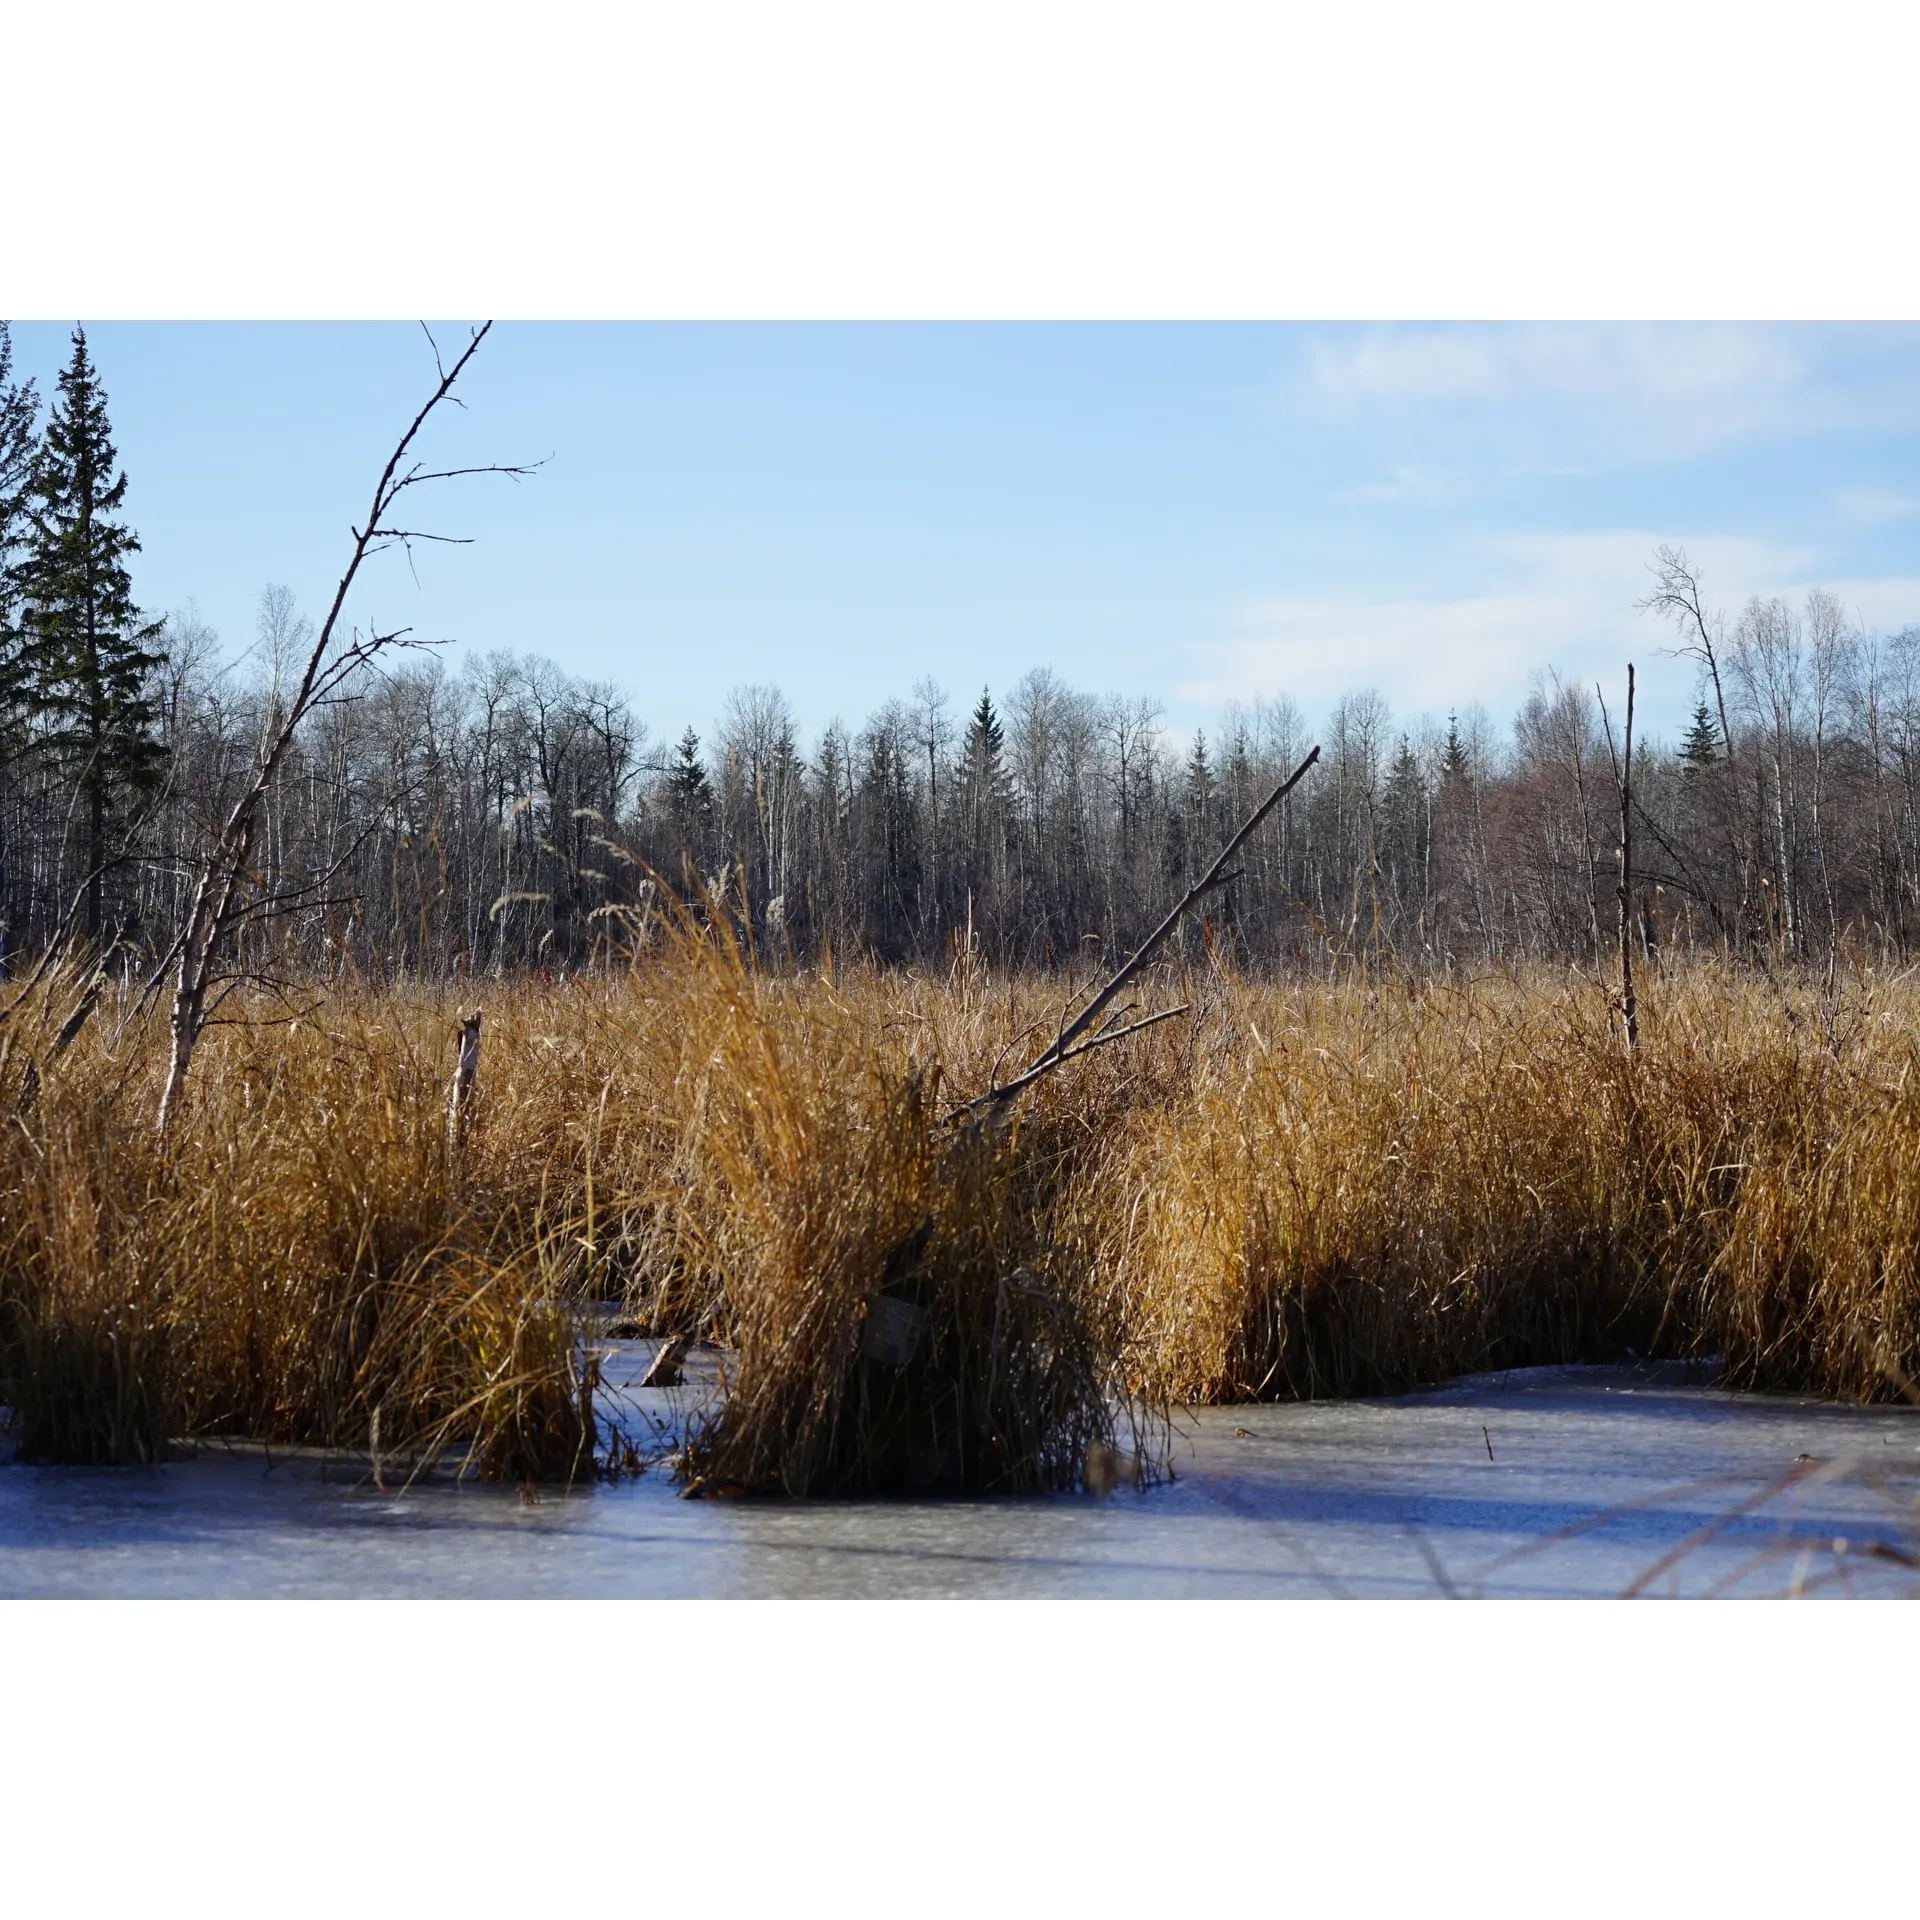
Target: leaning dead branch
<point>85,1004</point>
<point>222,896</point>
<point>1063,1047</point>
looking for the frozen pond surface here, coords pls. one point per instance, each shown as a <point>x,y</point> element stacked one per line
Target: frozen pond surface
<point>1597,1474</point>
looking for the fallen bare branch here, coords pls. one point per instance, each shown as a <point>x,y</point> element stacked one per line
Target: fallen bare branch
<point>1062,1047</point>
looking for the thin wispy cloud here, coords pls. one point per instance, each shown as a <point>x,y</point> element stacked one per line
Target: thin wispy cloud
<point>1883,605</point>
<point>1561,599</point>
<point>1514,361</point>
<point>1412,485</point>
<point>1429,653</point>
<point>1868,507</point>
<point>1614,564</point>
<point>1660,390</point>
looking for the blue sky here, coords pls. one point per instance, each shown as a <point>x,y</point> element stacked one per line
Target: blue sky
<point>1190,511</point>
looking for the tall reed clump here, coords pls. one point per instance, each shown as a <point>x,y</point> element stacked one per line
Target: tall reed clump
<point>1362,1192</point>
<point>297,1260</point>
<point>83,1340</point>
<point>1817,1286</point>
<point>897,1316</point>
<point>84,1337</point>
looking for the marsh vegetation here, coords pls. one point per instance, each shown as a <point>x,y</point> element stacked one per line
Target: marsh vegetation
<point>1304,1188</point>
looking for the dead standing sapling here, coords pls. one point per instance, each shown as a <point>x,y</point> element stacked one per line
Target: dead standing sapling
<point>1623,782</point>
<point>226,894</point>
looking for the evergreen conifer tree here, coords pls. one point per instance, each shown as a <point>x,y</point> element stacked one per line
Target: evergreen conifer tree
<point>1201,786</point>
<point>1237,771</point>
<point>19,412</point>
<point>1190,830</point>
<point>1404,811</point>
<point>88,655</point>
<point>983,786</point>
<point>1453,767</point>
<point>689,794</point>
<point>1403,782</point>
<point>1699,749</point>
<point>985,742</point>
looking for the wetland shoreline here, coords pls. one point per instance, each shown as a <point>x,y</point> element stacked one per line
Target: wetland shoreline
<point>1599,1474</point>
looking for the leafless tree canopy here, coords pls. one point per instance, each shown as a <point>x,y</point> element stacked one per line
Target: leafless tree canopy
<point>439,819</point>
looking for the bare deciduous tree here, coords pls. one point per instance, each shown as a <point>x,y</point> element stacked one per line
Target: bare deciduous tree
<point>227,893</point>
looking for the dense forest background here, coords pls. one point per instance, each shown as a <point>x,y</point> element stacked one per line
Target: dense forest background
<point>439,820</point>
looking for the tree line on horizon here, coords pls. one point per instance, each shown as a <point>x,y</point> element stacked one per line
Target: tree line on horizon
<point>507,814</point>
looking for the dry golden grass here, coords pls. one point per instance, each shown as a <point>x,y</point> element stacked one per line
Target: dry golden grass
<point>1364,1190</point>
<point>1321,1189</point>
<point>896,1313</point>
<point>298,1258</point>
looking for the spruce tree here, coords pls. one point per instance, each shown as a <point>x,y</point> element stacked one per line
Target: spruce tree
<point>1405,808</point>
<point>88,654</point>
<point>985,742</point>
<point>19,411</point>
<point>1237,773</point>
<point>1190,823</point>
<point>1700,748</point>
<point>1406,792</point>
<point>688,794</point>
<point>984,785</point>
<point>1201,786</point>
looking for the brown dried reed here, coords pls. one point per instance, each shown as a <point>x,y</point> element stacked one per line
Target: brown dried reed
<point>1365,1190</point>
<point>299,1262</point>
<point>1323,1188</point>
<point>897,1315</point>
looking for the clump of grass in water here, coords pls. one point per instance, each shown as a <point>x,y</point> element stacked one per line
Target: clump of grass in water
<point>896,1317</point>
<point>1363,1191</point>
<point>1817,1283</point>
<point>84,1342</point>
<point>295,1262</point>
